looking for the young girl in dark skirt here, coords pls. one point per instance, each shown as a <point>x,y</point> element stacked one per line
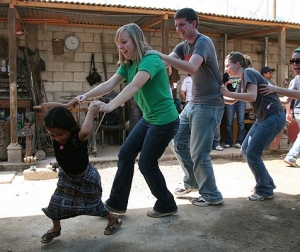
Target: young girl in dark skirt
<point>79,188</point>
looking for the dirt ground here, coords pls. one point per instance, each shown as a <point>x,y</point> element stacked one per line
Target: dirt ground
<point>237,225</point>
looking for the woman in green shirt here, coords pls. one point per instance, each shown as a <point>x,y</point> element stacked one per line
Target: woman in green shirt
<point>148,82</point>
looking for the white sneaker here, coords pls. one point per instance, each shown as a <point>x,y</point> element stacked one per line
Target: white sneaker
<point>256,197</point>
<point>203,203</point>
<point>219,148</point>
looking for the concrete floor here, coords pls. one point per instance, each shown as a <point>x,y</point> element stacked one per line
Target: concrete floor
<point>232,226</point>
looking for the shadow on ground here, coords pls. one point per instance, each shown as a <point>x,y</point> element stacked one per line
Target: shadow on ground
<point>237,225</point>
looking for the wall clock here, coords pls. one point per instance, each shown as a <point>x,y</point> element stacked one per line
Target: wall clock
<point>71,42</point>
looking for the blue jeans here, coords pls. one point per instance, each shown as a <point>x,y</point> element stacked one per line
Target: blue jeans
<point>257,140</point>
<point>150,141</point>
<point>239,109</point>
<point>192,146</point>
<point>217,137</point>
<point>295,150</point>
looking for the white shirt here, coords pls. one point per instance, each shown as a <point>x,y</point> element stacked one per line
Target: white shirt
<point>187,87</point>
<point>295,83</point>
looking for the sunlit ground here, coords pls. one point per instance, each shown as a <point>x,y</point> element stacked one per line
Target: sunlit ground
<point>234,180</point>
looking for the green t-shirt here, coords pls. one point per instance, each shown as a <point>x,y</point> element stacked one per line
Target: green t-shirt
<point>154,98</point>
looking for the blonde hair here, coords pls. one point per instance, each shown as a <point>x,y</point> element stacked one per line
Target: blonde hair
<point>138,39</point>
<point>243,59</point>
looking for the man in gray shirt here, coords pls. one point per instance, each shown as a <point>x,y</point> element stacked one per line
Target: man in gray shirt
<point>192,144</point>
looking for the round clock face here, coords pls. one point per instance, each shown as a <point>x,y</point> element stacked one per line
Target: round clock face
<point>72,43</point>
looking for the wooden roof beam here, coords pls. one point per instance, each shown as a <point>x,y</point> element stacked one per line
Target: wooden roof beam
<point>153,21</point>
<point>257,33</point>
<point>241,21</point>
<point>45,21</point>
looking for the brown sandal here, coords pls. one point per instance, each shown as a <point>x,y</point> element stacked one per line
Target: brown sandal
<point>111,229</point>
<point>48,237</point>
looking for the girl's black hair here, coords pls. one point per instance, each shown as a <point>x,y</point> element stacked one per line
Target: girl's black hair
<point>61,118</point>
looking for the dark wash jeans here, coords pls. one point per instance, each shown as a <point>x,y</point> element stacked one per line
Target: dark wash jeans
<point>150,141</point>
<point>237,108</point>
<point>257,140</point>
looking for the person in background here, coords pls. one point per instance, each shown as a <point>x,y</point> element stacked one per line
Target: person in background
<point>270,120</point>
<point>199,119</point>
<point>173,81</point>
<point>238,109</point>
<point>78,190</point>
<point>217,140</point>
<point>268,74</point>
<point>186,89</point>
<point>293,112</point>
<point>147,80</point>
<point>291,93</point>
<point>135,114</point>
<point>169,71</point>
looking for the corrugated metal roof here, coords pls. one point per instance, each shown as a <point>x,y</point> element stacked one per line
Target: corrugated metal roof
<point>148,18</point>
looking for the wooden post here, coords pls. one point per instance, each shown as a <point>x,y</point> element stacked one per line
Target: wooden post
<point>266,51</point>
<point>274,9</point>
<point>103,55</point>
<point>281,57</point>
<point>14,150</point>
<point>12,73</point>
<point>225,49</point>
<point>165,35</point>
